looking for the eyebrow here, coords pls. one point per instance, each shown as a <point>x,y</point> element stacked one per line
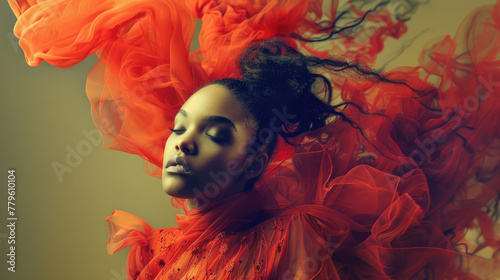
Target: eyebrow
<point>213,119</point>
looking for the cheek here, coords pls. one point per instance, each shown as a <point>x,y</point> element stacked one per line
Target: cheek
<point>225,160</point>
<point>170,141</point>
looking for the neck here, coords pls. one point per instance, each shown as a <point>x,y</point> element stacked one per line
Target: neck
<point>192,203</point>
<point>202,200</point>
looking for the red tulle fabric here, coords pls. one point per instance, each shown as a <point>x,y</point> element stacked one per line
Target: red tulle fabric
<point>390,200</point>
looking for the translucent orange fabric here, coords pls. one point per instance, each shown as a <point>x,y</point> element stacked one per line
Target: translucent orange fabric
<point>390,200</point>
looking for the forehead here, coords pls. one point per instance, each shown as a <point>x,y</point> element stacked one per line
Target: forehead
<point>215,100</point>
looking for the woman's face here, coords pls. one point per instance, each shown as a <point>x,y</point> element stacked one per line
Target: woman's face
<point>211,133</point>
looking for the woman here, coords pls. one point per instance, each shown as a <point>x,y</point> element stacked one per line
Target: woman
<point>275,183</point>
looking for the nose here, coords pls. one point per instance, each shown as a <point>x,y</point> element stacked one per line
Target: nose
<point>186,145</point>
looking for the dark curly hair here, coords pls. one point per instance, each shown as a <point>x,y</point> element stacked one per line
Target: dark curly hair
<point>279,88</point>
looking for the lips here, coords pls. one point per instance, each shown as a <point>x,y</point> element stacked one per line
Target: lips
<point>177,164</point>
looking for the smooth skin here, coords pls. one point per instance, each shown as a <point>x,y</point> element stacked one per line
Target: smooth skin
<point>212,131</point>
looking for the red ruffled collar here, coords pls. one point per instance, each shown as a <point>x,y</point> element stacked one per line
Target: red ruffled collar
<point>230,214</point>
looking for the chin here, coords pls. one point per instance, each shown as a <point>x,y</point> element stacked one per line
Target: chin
<point>175,190</point>
<point>170,189</point>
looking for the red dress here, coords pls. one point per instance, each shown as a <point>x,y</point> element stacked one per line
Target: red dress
<point>390,200</point>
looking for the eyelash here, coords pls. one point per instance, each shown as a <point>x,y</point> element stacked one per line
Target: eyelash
<point>175,130</point>
<point>216,140</point>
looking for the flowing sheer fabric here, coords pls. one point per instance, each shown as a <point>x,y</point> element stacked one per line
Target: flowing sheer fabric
<point>390,200</point>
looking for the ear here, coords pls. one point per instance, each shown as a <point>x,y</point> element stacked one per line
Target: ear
<point>257,166</point>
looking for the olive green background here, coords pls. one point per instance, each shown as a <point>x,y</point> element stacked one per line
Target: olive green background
<point>60,231</point>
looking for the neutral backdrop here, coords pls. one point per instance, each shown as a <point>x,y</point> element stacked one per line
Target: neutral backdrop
<point>44,113</point>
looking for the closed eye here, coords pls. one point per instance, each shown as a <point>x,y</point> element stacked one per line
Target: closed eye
<point>218,140</point>
<point>176,131</point>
